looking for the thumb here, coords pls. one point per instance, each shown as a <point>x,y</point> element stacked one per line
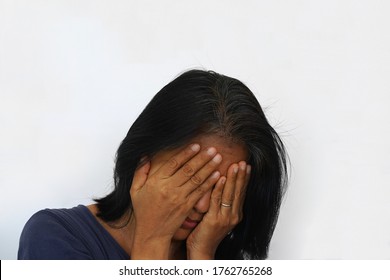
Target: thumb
<point>140,176</point>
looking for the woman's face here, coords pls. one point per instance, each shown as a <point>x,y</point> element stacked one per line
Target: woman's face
<point>231,153</point>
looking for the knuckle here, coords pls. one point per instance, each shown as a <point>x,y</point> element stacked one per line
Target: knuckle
<point>200,190</point>
<point>173,200</point>
<point>188,170</point>
<point>165,193</point>
<point>216,199</point>
<point>228,201</point>
<point>238,196</point>
<point>196,180</point>
<point>240,192</point>
<point>172,163</point>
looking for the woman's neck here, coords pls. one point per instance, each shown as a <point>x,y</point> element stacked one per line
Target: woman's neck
<point>123,233</point>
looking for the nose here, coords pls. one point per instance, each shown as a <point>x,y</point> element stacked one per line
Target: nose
<point>203,204</point>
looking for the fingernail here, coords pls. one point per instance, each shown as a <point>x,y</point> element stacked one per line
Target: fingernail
<point>235,169</point>
<point>211,151</point>
<point>223,180</point>
<point>217,158</point>
<point>242,166</point>
<point>195,147</point>
<point>215,174</point>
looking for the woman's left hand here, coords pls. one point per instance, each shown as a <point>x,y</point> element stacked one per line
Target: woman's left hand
<point>225,212</point>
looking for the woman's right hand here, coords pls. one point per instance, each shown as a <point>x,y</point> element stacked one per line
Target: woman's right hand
<point>163,200</point>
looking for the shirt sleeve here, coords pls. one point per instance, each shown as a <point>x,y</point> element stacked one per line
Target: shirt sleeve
<point>46,237</point>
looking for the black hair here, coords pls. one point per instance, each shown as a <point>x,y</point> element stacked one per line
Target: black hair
<point>198,102</point>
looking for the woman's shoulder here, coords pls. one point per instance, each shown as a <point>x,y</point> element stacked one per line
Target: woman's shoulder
<point>72,233</point>
<point>54,220</point>
<point>54,234</point>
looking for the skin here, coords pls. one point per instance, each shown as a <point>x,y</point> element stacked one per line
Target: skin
<point>177,198</point>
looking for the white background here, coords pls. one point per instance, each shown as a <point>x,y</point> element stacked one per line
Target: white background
<point>74,75</point>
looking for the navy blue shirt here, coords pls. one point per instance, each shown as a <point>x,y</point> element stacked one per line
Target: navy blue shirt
<point>67,234</point>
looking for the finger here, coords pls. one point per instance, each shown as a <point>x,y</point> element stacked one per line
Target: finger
<point>190,168</point>
<point>200,191</point>
<point>239,192</point>
<point>140,176</point>
<point>201,175</point>
<point>248,176</point>
<point>216,196</point>
<point>177,161</point>
<point>228,191</point>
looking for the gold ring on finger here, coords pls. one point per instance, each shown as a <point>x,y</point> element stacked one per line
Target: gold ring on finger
<point>225,205</point>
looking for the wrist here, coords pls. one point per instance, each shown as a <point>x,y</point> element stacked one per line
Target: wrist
<point>200,255</point>
<point>150,248</point>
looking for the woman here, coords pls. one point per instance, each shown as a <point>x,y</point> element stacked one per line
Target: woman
<point>199,175</point>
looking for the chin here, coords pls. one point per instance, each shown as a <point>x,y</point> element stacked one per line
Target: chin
<point>181,234</point>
